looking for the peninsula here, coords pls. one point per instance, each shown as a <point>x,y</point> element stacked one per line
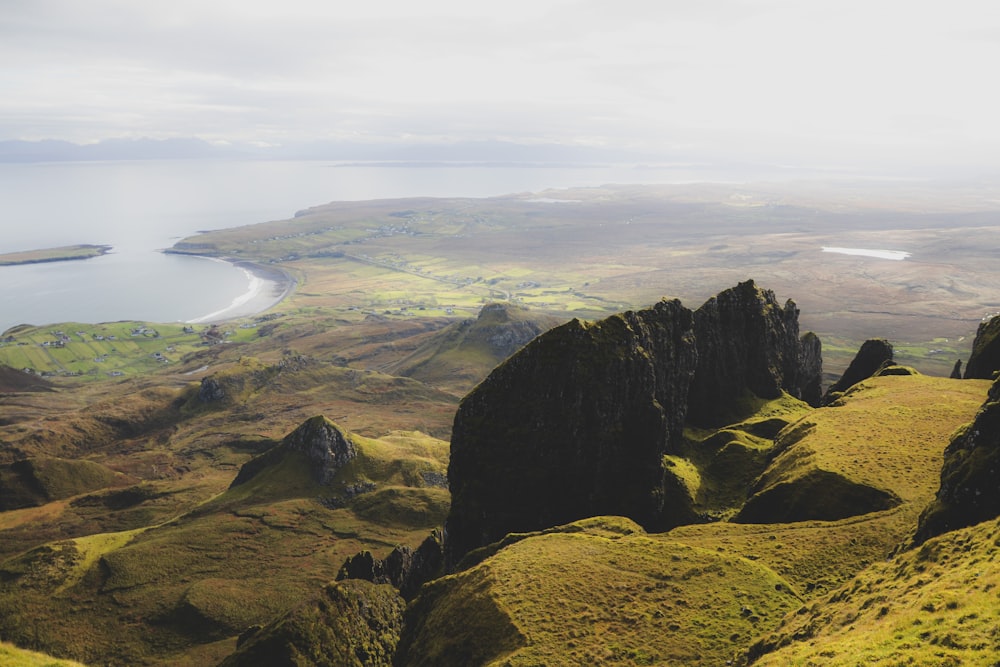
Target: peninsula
<point>60,254</point>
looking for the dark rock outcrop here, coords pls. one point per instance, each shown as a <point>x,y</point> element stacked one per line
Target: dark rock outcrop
<point>970,476</point>
<point>323,444</point>
<point>404,568</point>
<point>352,623</point>
<point>211,390</point>
<point>748,342</point>
<point>502,332</point>
<point>577,423</point>
<point>574,425</point>
<point>956,371</point>
<point>985,358</point>
<point>866,363</point>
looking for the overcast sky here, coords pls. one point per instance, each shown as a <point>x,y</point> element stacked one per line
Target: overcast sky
<point>827,80</point>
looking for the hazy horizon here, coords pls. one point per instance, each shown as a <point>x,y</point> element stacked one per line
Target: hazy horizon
<point>822,84</point>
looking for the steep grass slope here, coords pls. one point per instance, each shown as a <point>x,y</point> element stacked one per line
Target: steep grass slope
<point>879,445</point>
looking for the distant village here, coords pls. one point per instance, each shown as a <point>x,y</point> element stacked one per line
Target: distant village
<point>80,340</point>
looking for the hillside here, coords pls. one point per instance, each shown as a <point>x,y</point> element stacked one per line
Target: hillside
<point>657,485</point>
<point>603,590</point>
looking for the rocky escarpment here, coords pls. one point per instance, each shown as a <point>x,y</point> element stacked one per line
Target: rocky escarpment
<point>578,422</point>
<point>866,363</point>
<point>748,342</point>
<point>985,358</point>
<point>969,491</point>
<point>325,447</point>
<point>574,425</point>
<point>404,568</point>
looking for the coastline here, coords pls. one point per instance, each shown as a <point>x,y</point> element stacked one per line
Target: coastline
<point>267,287</point>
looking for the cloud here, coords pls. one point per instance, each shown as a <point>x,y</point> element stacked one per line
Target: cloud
<point>774,77</point>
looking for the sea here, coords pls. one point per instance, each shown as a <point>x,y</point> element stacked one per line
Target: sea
<point>140,208</point>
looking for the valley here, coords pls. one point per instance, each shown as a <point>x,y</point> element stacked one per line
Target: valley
<point>159,497</point>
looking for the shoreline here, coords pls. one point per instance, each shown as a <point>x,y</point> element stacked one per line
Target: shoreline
<point>267,287</point>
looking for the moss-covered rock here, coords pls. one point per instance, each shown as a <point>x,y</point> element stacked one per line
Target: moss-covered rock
<point>574,425</point>
<point>463,353</point>
<point>583,420</point>
<point>985,358</point>
<point>747,342</point>
<point>324,445</point>
<point>352,623</point>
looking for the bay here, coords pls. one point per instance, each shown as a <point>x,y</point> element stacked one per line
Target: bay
<point>142,207</point>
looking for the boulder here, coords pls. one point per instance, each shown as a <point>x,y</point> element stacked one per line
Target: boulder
<point>866,363</point>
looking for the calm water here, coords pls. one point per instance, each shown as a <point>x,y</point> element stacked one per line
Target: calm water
<point>142,207</point>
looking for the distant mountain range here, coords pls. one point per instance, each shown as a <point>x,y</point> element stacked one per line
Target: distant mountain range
<point>52,150</point>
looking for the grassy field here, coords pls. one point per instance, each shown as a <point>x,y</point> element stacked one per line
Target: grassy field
<point>112,350</point>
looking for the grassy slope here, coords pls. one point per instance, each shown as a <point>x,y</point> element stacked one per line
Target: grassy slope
<point>604,594</point>
<point>934,605</point>
<point>240,559</point>
<point>11,656</point>
<point>699,594</point>
<point>890,432</point>
<point>898,454</point>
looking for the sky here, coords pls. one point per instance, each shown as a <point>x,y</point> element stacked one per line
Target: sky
<point>813,81</point>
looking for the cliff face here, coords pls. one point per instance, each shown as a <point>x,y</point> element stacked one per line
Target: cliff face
<point>577,423</point>
<point>985,357</point>
<point>574,425</point>
<point>969,491</point>
<point>748,342</point>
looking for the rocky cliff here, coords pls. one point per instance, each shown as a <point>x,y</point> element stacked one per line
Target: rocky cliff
<point>574,425</point>
<point>985,357</point>
<point>578,422</point>
<point>969,491</point>
<point>748,342</point>
<point>405,569</point>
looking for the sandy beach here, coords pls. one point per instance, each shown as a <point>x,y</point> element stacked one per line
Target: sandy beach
<point>266,287</point>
